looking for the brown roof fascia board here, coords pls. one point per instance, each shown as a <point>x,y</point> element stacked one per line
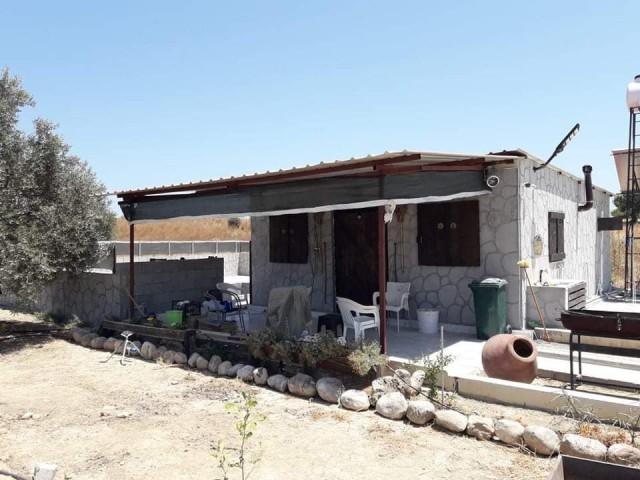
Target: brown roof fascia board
<point>272,177</point>
<point>459,165</point>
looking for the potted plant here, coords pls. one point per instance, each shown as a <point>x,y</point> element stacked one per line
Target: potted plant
<point>287,351</point>
<point>260,343</point>
<point>366,357</point>
<point>320,348</point>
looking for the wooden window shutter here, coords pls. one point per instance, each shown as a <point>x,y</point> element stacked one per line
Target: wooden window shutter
<point>464,233</point>
<point>449,233</point>
<point>288,238</point>
<point>556,237</point>
<point>278,239</point>
<point>298,238</point>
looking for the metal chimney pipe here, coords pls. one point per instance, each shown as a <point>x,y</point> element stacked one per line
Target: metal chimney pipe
<point>588,189</point>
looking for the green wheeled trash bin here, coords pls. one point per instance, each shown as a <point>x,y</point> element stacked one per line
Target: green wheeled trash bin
<point>490,303</point>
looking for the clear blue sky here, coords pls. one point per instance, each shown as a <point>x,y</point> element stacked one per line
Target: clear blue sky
<point>156,92</point>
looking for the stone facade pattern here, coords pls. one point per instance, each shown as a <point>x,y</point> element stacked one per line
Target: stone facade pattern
<point>447,288</point>
<point>503,241</point>
<point>587,251</point>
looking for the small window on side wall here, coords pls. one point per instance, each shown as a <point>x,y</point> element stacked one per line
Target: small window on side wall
<point>288,238</point>
<point>556,237</point>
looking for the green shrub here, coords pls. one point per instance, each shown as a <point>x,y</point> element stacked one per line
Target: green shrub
<point>366,357</point>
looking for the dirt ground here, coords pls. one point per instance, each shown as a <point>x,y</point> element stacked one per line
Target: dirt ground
<point>170,418</point>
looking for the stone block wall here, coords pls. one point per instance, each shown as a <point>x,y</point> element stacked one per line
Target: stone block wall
<point>92,296</point>
<point>159,283</point>
<point>234,252</point>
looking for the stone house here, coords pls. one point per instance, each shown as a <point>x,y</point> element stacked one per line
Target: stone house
<point>457,218</point>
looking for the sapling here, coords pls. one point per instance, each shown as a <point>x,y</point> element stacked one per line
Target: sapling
<point>245,426</point>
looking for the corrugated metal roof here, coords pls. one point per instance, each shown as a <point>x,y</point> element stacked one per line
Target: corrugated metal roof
<point>320,170</point>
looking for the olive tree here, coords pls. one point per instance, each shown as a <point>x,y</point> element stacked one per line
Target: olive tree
<point>52,211</point>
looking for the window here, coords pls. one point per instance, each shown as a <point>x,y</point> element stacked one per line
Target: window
<point>449,233</point>
<point>288,238</point>
<point>556,237</point>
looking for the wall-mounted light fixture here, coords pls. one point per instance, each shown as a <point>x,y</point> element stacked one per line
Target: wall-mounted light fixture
<point>572,133</point>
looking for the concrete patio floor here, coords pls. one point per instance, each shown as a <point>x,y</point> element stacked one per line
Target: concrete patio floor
<point>466,376</point>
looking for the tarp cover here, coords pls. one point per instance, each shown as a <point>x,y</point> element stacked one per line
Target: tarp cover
<point>322,194</point>
<point>289,310</point>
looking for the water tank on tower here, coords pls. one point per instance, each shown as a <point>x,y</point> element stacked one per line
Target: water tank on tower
<point>633,93</point>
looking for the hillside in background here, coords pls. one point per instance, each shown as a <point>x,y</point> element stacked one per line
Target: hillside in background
<point>200,229</point>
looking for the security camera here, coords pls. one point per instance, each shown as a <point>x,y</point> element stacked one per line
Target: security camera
<point>492,181</point>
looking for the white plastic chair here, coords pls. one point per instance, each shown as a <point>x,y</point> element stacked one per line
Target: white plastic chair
<point>358,317</point>
<point>397,299</point>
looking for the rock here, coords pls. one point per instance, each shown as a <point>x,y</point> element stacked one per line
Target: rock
<point>278,382</point>
<point>384,384</point>
<point>260,376</point>
<point>582,447</point>
<point>109,344</point>
<point>355,400</point>
<point>420,412</point>
<point>224,367</point>
<point>144,350</point>
<point>541,440</point>
<point>202,363</point>
<point>151,351</point>
<point>451,420</point>
<point>167,357</point>
<point>192,359</point>
<point>417,380</point>
<point>374,397</point>
<point>27,416</point>
<point>159,353</point>
<point>78,333</point>
<point>123,414</point>
<point>623,454</point>
<point>402,379</point>
<point>329,389</point>
<point>118,346</point>
<point>233,371</point>
<point>509,432</point>
<point>214,363</point>
<point>392,405</point>
<point>180,358</point>
<point>302,385</point>
<point>86,339</point>
<point>246,373</point>
<point>480,427</point>
<point>98,342</point>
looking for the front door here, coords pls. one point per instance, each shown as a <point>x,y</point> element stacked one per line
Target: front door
<point>356,254</point>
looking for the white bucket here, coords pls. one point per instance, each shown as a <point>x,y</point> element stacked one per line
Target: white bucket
<point>427,321</point>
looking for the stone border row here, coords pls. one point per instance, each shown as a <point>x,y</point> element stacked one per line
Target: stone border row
<point>392,397</point>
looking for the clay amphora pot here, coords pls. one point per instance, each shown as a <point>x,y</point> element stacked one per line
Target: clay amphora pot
<point>510,357</point>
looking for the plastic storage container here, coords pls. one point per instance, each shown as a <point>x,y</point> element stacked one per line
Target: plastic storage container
<point>428,320</point>
<point>490,303</point>
<point>173,318</point>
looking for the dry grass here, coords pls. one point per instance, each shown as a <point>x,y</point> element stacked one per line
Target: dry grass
<point>201,229</point>
<point>338,416</point>
<point>606,435</point>
<point>617,258</point>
